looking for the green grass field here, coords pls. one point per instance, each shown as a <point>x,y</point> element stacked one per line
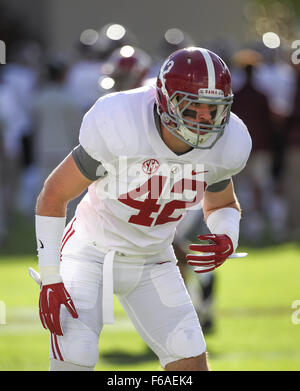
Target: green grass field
<point>254,329</point>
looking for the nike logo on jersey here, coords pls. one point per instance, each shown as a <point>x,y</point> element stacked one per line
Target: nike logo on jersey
<point>198,172</point>
<point>41,244</point>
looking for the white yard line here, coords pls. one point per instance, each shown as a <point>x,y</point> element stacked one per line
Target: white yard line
<point>25,320</point>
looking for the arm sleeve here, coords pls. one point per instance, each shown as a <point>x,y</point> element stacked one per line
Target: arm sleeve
<point>92,169</point>
<point>219,186</point>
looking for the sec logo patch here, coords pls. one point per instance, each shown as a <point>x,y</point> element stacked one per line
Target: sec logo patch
<point>150,166</point>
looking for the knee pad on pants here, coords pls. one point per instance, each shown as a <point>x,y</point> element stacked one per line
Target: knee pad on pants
<point>77,346</point>
<point>186,340</point>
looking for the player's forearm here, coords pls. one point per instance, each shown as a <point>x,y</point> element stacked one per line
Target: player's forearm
<point>234,204</point>
<point>50,204</point>
<point>212,201</point>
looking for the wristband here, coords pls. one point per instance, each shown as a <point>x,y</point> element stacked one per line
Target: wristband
<point>225,221</point>
<point>49,233</point>
<point>50,275</point>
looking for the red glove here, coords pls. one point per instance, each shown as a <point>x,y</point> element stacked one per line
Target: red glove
<point>51,298</point>
<point>220,248</point>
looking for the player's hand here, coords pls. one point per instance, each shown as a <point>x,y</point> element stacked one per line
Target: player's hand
<point>52,296</point>
<point>218,249</point>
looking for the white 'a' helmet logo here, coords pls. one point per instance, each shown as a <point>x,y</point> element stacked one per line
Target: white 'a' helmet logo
<point>162,74</point>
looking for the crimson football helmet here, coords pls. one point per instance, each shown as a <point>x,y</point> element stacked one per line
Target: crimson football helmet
<point>189,77</point>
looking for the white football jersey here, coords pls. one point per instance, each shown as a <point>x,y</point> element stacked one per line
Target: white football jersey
<point>136,207</point>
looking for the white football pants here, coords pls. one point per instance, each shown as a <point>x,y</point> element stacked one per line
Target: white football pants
<point>153,295</point>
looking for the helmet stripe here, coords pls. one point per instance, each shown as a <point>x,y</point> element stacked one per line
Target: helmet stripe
<point>210,69</point>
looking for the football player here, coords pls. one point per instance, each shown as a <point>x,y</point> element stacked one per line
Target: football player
<point>146,156</point>
<point>125,69</point>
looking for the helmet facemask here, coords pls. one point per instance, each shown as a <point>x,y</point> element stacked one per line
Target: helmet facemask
<point>194,133</point>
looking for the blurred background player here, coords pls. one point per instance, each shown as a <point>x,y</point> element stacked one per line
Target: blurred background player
<point>113,36</point>
<point>20,77</point>
<point>125,69</point>
<point>201,286</point>
<point>56,117</point>
<point>276,78</point>
<point>252,106</point>
<point>290,179</point>
<point>9,156</point>
<point>83,76</point>
<point>261,95</point>
<point>93,51</point>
